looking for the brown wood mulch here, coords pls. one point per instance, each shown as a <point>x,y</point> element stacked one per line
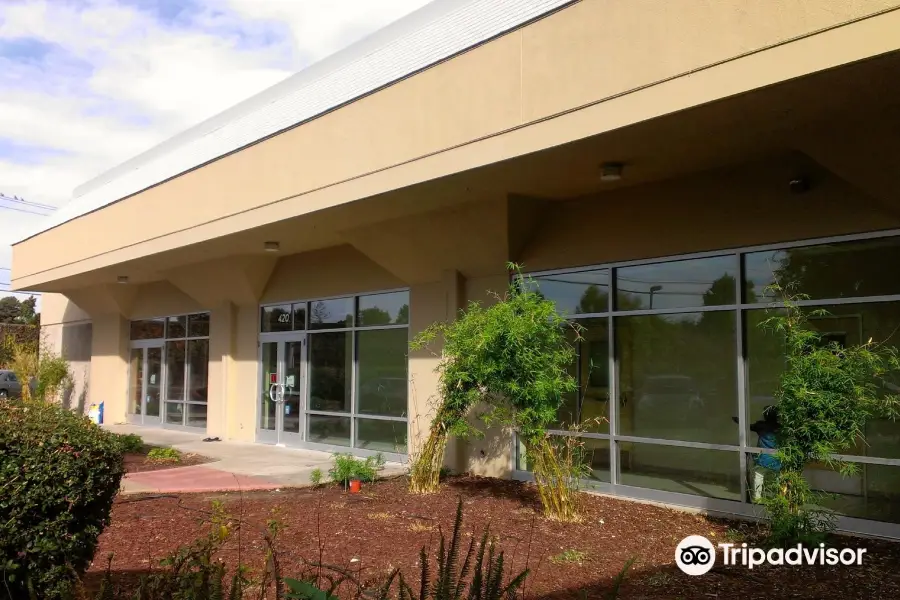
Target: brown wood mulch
<point>384,527</point>
<point>138,462</point>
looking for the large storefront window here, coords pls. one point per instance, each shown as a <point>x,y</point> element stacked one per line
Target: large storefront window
<point>169,368</point>
<point>678,344</point>
<point>345,362</point>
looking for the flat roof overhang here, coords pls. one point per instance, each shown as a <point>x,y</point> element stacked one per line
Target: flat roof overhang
<point>763,100</point>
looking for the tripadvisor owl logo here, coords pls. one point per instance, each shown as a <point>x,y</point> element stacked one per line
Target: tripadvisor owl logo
<point>695,555</point>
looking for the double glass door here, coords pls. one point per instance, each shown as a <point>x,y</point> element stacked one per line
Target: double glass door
<point>145,384</point>
<point>282,387</point>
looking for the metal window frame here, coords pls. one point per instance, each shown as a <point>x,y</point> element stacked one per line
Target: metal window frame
<point>354,331</point>
<point>163,343</point>
<point>742,451</point>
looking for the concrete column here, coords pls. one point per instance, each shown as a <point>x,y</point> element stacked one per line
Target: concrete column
<point>430,303</point>
<point>109,365</point>
<point>221,350</point>
<point>242,377</point>
<point>490,456</point>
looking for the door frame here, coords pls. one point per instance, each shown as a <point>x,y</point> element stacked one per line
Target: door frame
<point>144,346</point>
<point>278,436</point>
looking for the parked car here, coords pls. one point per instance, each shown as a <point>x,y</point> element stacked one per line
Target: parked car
<point>10,387</point>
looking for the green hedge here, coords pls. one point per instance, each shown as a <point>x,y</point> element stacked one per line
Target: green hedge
<point>59,474</point>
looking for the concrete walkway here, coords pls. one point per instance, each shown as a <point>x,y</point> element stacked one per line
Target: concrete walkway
<point>235,465</point>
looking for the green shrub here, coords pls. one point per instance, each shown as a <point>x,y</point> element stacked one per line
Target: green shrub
<point>347,467</point>
<point>168,455</point>
<point>315,476</point>
<point>130,443</point>
<point>826,395</point>
<point>59,475</point>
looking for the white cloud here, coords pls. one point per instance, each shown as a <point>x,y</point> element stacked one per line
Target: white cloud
<point>87,84</point>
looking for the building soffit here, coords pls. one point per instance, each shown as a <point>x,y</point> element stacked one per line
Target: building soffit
<point>239,280</point>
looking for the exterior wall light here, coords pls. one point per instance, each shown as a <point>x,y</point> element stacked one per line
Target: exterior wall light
<point>122,279</point>
<point>611,171</point>
<point>272,246</point>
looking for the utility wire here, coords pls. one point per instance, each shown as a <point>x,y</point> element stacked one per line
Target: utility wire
<point>22,210</point>
<point>26,202</point>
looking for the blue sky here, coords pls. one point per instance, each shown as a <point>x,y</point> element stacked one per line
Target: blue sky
<point>87,84</point>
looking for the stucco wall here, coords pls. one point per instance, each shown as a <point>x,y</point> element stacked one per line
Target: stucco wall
<point>67,330</point>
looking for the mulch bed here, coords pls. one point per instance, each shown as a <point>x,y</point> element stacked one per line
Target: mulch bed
<point>384,528</point>
<point>139,463</point>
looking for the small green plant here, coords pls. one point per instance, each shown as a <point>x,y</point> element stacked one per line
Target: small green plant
<point>315,477</point>
<point>569,556</point>
<point>347,468</point>
<point>489,579</point>
<point>130,443</point>
<point>164,455</point>
<point>734,535</point>
<point>659,579</point>
<point>307,590</point>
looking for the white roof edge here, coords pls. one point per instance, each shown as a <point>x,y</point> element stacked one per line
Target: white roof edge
<point>429,35</point>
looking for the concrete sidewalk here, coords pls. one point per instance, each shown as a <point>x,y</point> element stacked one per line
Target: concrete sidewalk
<point>235,465</point>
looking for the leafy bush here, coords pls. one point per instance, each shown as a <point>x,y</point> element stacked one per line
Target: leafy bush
<point>164,455</point>
<point>43,372</point>
<point>60,473</point>
<point>315,477</point>
<point>513,356</point>
<point>826,395</point>
<point>347,467</point>
<point>130,443</point>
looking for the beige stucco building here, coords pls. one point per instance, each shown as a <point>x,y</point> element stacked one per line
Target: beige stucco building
<point>654,167</point>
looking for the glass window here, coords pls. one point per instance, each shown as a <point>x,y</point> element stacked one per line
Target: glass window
<point>847,324</point>
<point>136,381</point>
<point>383,309</point>
<point>196,415</point>
<point>176,327</point>
<point>174,413</point>
<point>694,471</point>
<point>381,436</point>
<point>595,453</point>
<point>331,314</point>
<point>678,284</point>
<point>175,363</point>
<point>383,382</point>
<point>267,408</point>
<point>148,329</point>
<point>590,405</point>
<point>198,325</point>
<point>276,318</point>
<point>678,376</point>
<point>198,384</point>
<point>330,364</point>
<point>848,269</point>
<point>325,429</point>
<point>576,293</point>
<point>593,375</point>
<point>872,493</point>
<point>299,316</point>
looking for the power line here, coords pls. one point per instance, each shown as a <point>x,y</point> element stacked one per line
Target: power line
<point>22,210</point>
<point>18,200</point>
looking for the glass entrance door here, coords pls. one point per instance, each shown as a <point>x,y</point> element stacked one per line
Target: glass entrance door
<point>282,389</point>
<point>145,384</point>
